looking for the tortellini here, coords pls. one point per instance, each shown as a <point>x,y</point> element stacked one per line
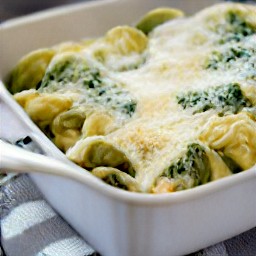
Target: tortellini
<point>219,169</point>
<point>69,47</point>
<point>71,119</point>
<point>98,123</point>
<point>67,127</point>
<point>43,108</point>
<point>122,48</point>
<point>126,40</point>
<point>234,136</point>
<point>66,139</point>
<point>157,17</point>
<point>30,70</point>
<point>25,96</point>
<point>94,151</point>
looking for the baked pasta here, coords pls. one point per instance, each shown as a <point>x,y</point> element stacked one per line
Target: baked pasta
<point>166,105</point>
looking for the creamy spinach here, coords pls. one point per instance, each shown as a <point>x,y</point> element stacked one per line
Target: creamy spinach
<point>226,98</point>
<point>192,169</point>
<point>235,28</point>
<point>73,74</point>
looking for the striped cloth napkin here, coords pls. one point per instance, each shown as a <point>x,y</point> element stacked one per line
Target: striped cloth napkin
<point>29,226</point>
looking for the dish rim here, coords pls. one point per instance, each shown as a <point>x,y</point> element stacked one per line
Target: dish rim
<point>53,11</point>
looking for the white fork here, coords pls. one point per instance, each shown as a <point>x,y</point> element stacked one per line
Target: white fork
<point>18,160</point>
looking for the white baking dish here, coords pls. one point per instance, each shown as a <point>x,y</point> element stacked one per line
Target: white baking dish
<point>113,221</point>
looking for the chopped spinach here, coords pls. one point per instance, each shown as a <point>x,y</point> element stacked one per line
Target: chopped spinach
<point>72,72</point>
<point>192,169</point>
<point>234,57</point>
<point>235,29</point>
<point>218,59</point>
<point>111,96</point>
<point>92,79</point>
<point>68,69</point>
<point>129,107</point>
<point>226,98</point>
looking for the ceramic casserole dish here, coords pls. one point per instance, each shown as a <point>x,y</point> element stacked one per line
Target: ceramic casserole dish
<point>117,222</point>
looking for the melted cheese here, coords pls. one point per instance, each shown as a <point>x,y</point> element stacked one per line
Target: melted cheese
<point>186,54</point>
